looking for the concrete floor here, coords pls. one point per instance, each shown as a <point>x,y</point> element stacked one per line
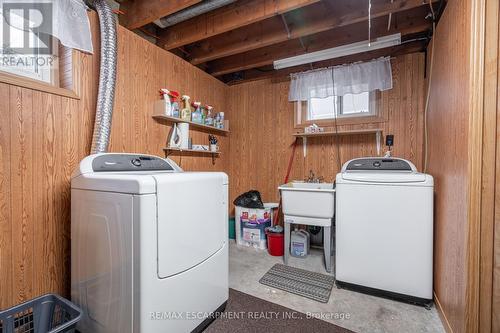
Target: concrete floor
<point>355,311</point>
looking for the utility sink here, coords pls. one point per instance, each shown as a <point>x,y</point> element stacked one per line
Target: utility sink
<point>316,200</point>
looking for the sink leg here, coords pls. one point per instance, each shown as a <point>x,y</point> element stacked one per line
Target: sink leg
<point>332,240</point>
<point>287,243</point>
<point>326,247</point>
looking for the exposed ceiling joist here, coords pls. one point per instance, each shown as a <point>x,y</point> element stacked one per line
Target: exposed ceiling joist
<point>138,13</point>
<point>324,40</point>
<point>271,31</point>
<point>234,16</point>
<point>283,74</point>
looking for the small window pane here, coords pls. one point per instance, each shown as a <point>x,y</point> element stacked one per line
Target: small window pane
<point>356,103</point>
<point>35,66</point>
<point>321,108</point>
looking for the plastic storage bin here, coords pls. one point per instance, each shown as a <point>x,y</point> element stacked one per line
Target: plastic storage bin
<point>251,224</point>
<point>50,313</point>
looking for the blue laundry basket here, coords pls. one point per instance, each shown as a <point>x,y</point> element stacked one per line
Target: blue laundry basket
<point>50,313</point>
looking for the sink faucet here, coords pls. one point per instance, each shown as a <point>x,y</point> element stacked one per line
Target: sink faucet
<point>313,179</point>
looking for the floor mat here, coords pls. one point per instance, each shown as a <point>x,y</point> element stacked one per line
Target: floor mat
<point>298,281</point>
<point>247,314</point>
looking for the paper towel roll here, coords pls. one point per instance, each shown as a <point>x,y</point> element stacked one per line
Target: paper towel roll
<point>184,135</point>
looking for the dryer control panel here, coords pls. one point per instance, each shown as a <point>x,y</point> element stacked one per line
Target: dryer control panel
<point>382,164</point>
<point>130,162</point>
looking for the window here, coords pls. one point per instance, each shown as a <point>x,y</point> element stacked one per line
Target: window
<point>42,67</point>
<point>350,105</point>
<point>340,110</point>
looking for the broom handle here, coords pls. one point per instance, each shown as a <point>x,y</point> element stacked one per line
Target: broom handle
<point>290,162</point>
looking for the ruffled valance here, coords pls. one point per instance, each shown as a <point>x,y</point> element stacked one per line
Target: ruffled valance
<point>340,80</point>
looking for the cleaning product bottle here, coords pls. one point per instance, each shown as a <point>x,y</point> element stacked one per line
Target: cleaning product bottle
<point>217,121</point>
<point>186,110</point>
<point>167,105</point>
<point>203,115</point>
<point>221,119</point>
<point>209,120</point>
<point>196,116</point>
<point>174,99</point>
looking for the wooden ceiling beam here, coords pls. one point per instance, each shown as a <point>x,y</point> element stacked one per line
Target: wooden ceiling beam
<point>271,31</point>
<point>230,17</point>
<point>138,13</point>
<point>324,40</point>
<point>284,74</point>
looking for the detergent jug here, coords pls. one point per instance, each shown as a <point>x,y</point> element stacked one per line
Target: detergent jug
<point>299,243</point>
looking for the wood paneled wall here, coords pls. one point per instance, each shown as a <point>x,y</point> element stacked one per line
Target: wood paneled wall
<point>262,126</point>
<point>44,136</point>
<point>448,120</point>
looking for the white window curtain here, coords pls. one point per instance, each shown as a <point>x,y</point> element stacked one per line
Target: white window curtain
<point>72,26</point>
<point>340,80</point>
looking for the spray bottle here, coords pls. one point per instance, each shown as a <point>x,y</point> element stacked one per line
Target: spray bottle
<point>203,115</point>
<point>209,120</point>
<point>197,115</point>
<point>174,99</point>
<point>167,105</point>
<point>186,110</point>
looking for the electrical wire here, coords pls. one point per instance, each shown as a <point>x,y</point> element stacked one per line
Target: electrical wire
<point>426,109</point>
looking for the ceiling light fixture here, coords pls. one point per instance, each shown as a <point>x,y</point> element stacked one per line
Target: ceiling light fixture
<point>339,51</point>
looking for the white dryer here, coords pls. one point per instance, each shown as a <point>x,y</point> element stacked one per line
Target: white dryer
<point>149,249</point>
<point>384,228</point>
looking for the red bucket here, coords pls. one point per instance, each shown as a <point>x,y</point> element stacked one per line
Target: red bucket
<point>275,244</point>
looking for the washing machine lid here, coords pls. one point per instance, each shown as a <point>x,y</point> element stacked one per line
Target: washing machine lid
<point>385,177</point>
<point>382,170</point>
<point>121,172</point>
<point>379,164</point>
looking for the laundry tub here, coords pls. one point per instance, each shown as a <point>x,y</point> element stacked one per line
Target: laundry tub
<point>314,200</point>
<point>309,204</point>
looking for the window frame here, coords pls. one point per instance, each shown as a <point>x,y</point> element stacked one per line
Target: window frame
<point>377,116</point>
<point>44,75</point>
<point>34,80</point>
<point>48,74</point>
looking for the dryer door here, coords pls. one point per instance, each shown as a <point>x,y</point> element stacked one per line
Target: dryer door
<point>192,219</point>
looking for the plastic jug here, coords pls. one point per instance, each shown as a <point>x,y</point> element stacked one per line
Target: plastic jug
<point>299,243</point>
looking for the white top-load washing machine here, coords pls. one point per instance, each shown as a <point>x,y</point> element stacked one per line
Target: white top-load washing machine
<point>384,228</point>
<point>149,249</point>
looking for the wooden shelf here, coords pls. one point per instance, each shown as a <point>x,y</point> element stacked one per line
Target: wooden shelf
<point>180,150</point>
<point>344,132</point>
<point>376,131</point>
<point>193,124</point>
<point>171,150</point>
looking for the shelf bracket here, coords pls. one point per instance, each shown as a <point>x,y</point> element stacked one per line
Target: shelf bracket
<point>304,145</point>
<point>379,139</point>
